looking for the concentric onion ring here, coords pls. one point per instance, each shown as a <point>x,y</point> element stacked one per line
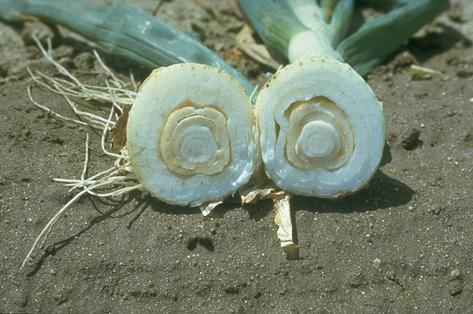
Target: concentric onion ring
<point>195,141</point>
<point>191,135</point>
<point>321,128</point>
<point>319,135</point>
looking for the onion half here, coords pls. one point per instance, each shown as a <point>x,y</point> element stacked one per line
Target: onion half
<point>191,135</point>
<point>321,128</point>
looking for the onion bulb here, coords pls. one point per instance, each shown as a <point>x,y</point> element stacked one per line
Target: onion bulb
<point>321,128</point>
<point>191,135</point>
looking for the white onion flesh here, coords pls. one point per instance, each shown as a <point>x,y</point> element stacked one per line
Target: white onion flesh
<point>191,135</point>
<point>321,128</point>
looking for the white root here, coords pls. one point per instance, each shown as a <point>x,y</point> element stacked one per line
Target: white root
<point>51,112</point>
<point>86,158</point>
<point>73,87</point>
<point>106,179</point>
<point>111,183</point>
<point>44,233</point>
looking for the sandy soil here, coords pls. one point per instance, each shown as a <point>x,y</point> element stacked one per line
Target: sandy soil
<point>404,244</point>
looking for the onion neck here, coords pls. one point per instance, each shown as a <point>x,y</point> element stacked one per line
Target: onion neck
<point>316,39</point>
<point>308,43</point>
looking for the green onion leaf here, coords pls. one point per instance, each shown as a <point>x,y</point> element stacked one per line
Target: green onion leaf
<point>275,22</point>
<point>123,30</point>
<point>327,7</point>
<point>379,37</point>
<point>340,20</point>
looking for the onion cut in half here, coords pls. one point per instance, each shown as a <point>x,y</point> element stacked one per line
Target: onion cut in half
<point>191,135</point>
<point>321,128</point>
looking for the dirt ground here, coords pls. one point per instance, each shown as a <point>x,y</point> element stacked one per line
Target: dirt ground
<point>402,245</point>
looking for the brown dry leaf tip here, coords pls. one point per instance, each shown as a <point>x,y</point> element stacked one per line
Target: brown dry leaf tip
<point>284,219</point>
<point>232,56</point>
<point>119,131</point>
<point>258,52</point>
<point>418,73</point>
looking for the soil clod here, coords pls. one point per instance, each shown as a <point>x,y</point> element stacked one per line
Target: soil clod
<point>456,284</point>
<point>411,140</point>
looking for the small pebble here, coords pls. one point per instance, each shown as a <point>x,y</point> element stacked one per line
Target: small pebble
<point>377,263</point>
<point>464,73</point>
<point>232,289</point>
<point>404,59</point>
<point>435,209</point>
<point>456,287</point>
<point>257,294</point>
<point>455,274</point>
<point>356,279</point>
<point>455,284</point>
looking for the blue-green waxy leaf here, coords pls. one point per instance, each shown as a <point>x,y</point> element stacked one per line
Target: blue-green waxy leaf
<point>123,30</point>
<point>274,21</point>
<point>379,37</point>
<point>327,7</point>
<point>376,2</point>
<point>279,21</point>
<point>340,20</point>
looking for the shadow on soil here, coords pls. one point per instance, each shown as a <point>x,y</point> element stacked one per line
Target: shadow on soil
<point>434,43</point>
<point>383,192</point>
<point>34,265</point>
